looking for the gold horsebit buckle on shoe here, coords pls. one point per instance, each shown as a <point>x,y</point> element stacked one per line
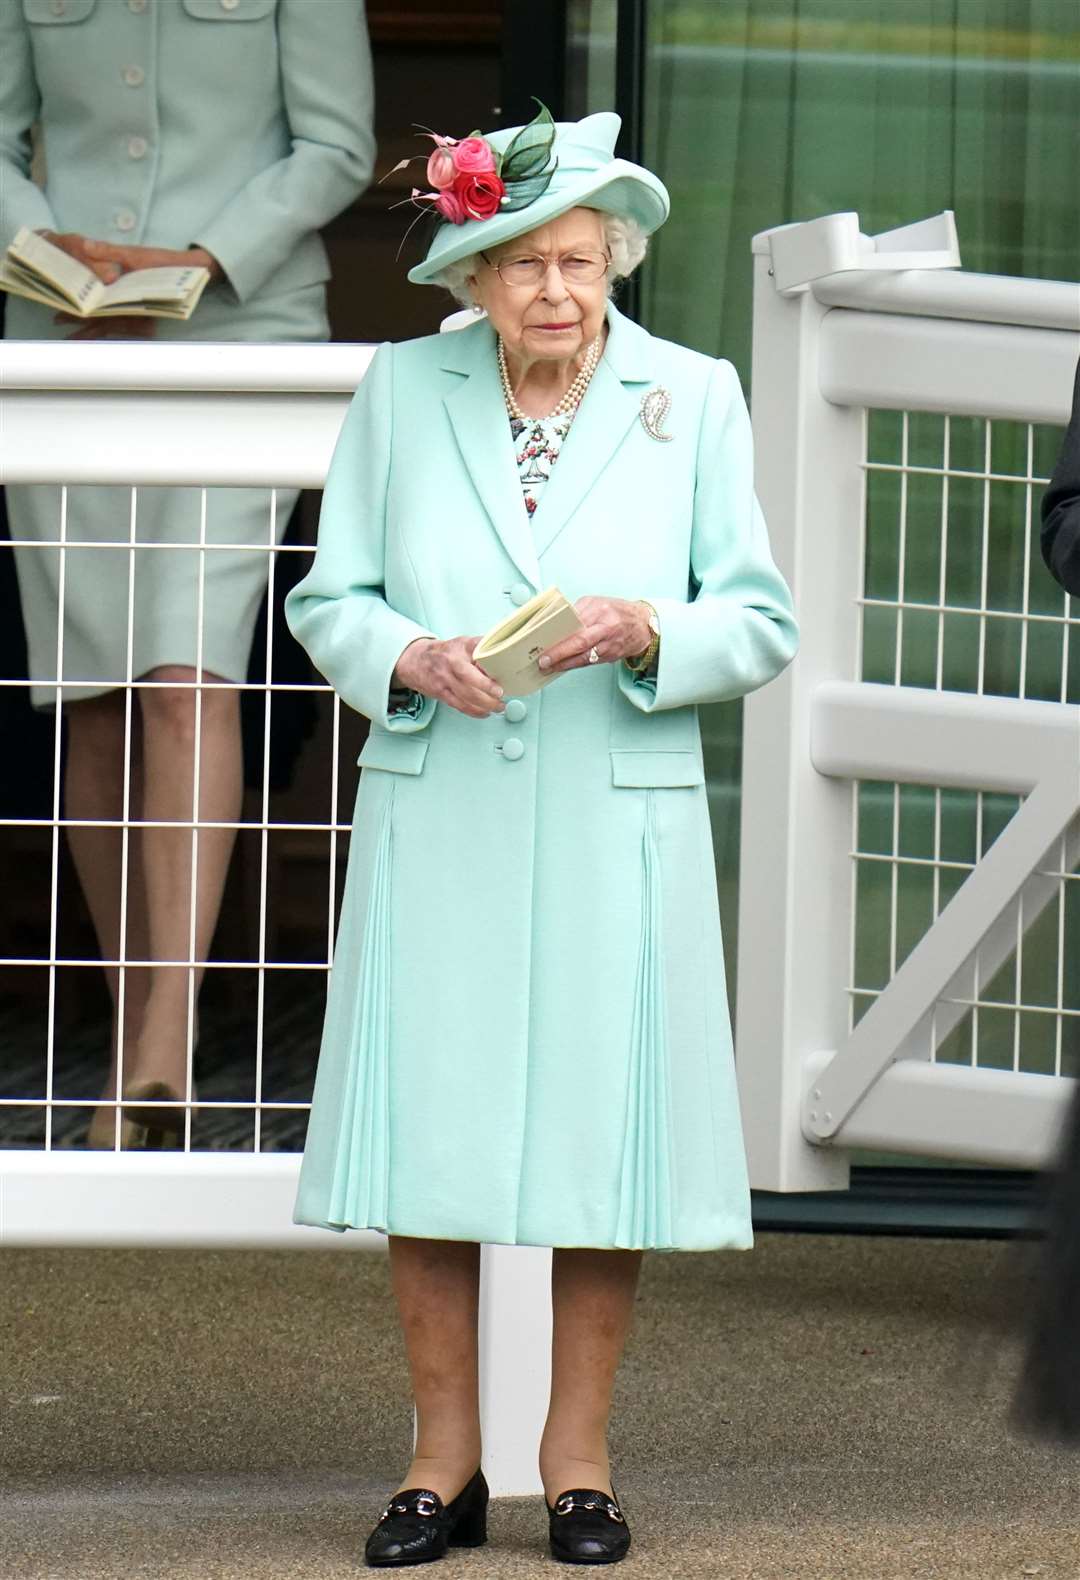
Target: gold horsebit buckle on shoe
<point>425,1504</point>
<point>568,1503</point>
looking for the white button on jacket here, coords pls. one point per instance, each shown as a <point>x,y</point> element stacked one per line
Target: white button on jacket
<point>134,76</point>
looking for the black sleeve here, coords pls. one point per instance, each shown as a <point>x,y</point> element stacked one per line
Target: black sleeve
<point>1061,507</point>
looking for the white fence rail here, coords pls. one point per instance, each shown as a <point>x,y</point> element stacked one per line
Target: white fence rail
<point>908,855</point>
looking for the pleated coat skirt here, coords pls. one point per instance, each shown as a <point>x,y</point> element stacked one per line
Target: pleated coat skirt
<point>527,1037</point>
<point>129,609</point>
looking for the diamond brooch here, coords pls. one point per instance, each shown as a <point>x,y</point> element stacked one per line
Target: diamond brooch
<point>655,405</point>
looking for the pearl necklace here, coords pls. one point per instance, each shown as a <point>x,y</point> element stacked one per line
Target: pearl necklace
<point>570,401</point>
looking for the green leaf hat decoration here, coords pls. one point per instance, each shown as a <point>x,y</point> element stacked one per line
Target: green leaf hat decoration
<point>524,164</point>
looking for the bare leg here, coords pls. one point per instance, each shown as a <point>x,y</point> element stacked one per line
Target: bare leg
<point>169,736</point>
<point>94,791</point>
<point>437,1287</point>
<point>592,1297</point>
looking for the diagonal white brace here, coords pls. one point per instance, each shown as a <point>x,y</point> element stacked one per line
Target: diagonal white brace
<point>916,736</point>
<point>928,737</point>
<point>895,1019</point>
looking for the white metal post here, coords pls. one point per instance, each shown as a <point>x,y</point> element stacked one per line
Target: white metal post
<point>795,872</point>
<point>515,1364</point>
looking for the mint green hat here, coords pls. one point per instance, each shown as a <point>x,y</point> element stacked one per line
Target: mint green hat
<point>587,175</point>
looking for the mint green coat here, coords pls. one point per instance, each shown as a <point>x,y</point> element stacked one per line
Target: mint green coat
<point>527,1037</point>
<point>240,125</point>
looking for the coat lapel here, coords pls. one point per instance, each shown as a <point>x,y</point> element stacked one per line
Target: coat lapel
<point>611,406</point>
<point>477,413</point>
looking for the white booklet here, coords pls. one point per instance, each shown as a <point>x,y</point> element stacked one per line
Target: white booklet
<point>35,268</point>
<point>509,651</point>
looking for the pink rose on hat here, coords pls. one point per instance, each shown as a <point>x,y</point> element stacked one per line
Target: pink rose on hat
<point>474,156</point>
<point>451,207</point>
<point>469,180</point>
<point>441,170</point>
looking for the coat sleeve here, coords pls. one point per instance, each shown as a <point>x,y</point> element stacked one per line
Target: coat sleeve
<point>22,202</point>
<point>1061,507</point>
<point>738,631</point>
<point>339,611</point>
<point>329,102</point>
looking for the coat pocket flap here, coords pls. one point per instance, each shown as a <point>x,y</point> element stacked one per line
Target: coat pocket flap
<point>229,10</point>
<point>397,754</point>
<point>655,769</point>
<point>54,13</point>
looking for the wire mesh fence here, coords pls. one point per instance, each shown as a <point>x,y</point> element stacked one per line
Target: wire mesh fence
<point>86,941</point>
<point>956,597</point>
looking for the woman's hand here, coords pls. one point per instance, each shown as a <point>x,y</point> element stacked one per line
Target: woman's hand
<point>125,259</point>
<point>109,263</point>
<point>82,249</point>
<point>445,671</point>
<point>616,628</point>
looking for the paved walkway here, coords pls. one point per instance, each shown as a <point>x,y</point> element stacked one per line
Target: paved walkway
<point>823,1409</point>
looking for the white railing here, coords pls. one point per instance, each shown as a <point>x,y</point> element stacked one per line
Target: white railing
<point>917,772</point>
<point>217,416</point>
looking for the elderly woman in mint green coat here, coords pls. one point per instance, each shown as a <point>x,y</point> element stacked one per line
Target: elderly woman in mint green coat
<point>224,133</point>
<point>527,1037</point>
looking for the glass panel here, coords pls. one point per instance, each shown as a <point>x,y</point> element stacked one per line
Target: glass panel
<point>761,112</point>
<point>590,69</point>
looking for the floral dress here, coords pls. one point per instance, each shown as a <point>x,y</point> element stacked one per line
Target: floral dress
<point>537,442</point>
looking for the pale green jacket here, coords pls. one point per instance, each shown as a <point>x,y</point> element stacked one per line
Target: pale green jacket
<point>242,126</point>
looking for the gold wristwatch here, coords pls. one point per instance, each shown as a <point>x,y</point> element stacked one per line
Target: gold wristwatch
<point>640,665</point>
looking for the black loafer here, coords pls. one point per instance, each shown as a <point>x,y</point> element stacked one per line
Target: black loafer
<point>416,1527</point>
<point>587,1527</point>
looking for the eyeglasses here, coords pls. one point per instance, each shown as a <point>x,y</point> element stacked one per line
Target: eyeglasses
<point>576,268</point>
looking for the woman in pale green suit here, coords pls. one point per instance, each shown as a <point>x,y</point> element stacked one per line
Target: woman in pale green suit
<point>527,1037</point>
<point>220,132</point>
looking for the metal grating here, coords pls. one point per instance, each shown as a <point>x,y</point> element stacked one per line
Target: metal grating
<point>956,597</point>
<point>47,1090</point>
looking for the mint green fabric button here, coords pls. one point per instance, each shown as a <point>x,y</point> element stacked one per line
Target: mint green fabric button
<point>513,749</point>
<point>514,711</point>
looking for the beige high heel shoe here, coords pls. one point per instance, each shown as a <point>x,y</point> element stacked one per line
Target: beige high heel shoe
<point>144,1107</point>
<point>101,1132</point>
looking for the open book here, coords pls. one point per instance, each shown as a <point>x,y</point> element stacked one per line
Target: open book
<point>509,651</point>
<point>34,268</point>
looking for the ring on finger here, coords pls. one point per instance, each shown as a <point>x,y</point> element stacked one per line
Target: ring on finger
<point>594,656</point>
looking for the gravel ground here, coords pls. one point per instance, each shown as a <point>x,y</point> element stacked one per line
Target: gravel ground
<point>826,1408</point>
